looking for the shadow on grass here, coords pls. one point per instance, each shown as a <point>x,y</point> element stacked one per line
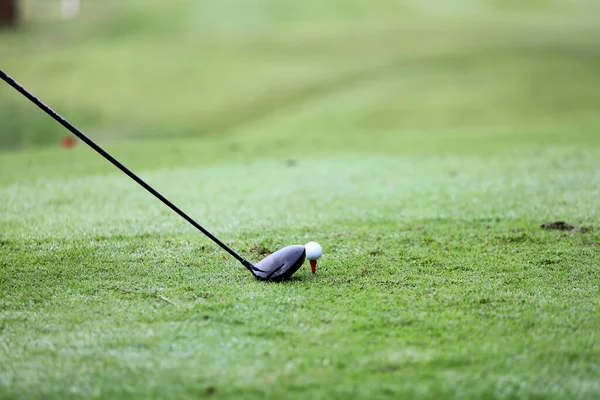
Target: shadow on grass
<point>291,280</point>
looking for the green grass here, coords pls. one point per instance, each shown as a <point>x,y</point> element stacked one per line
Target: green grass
<point>421,146</point>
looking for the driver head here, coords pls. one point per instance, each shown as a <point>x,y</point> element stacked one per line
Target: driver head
<point>280,265</point>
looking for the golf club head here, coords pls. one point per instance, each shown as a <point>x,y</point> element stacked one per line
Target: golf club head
<point>280,265</point>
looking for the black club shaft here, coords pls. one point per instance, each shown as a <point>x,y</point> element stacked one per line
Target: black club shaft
<point>117,164</point>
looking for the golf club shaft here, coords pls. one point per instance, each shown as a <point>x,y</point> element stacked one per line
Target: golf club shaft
<point>117,164</point>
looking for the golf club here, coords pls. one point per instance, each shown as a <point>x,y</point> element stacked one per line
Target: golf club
<point>276,267</point>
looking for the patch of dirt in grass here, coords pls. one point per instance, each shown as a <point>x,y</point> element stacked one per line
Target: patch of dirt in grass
<point>563,226</point>
<point>210,390</point>
<point>260,249</point>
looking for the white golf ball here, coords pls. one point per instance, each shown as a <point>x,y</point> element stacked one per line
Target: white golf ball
<point>313,250</point>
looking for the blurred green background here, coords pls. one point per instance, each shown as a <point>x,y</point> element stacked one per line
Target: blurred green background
<point>320,73</point>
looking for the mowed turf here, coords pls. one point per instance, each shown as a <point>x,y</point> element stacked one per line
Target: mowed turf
<point>423,158</point>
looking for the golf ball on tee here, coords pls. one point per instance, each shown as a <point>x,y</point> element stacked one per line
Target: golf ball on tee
<point>313,250</point>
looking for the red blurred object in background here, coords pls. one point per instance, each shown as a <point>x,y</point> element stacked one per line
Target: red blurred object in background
<point>68,142</point>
